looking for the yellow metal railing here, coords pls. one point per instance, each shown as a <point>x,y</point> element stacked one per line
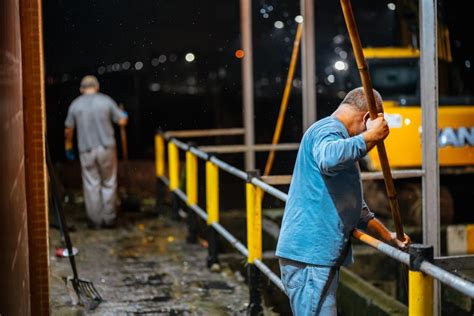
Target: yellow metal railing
<point>212,193</point>
<point>254,222</point>
<point>421,277</point>
<point>420,289</point>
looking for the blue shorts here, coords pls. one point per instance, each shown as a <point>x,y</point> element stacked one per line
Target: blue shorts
<point>310,288</point>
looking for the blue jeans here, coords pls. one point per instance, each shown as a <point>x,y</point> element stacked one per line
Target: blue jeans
<point>310,288</point>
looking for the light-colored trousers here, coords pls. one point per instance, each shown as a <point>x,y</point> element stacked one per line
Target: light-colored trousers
<point>99,181</point>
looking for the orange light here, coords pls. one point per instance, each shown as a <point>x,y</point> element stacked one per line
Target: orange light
<point>239,53</point>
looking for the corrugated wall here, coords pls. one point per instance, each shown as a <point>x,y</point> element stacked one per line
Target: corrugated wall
<point>14,272</point>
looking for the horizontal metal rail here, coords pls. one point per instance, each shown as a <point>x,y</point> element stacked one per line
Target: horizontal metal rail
<point>365,176</point>
<point>437,273</point>
<point>464,286</point>
<point>396,174</point>
<point>231,149</point>
<point>205,133</point>
<point>269,189</point>
<point>231,239</point>
<point>270,275</point>
<point>277,179</point>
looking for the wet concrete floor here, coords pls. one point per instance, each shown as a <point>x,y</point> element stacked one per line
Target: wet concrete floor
<point>145,267</point>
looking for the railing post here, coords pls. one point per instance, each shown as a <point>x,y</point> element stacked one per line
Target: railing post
<point>159,169</point>
<point>254,242</point>
<point>173,161</point>
<point>192,194</point>
<point>212,207</point>
<point>420,285</point>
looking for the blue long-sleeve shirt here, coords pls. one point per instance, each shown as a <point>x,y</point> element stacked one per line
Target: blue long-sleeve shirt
<point>325,200</point>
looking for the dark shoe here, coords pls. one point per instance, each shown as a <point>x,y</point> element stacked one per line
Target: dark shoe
<point>92,225</point>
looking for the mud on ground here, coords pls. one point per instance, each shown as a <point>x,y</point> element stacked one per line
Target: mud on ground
<point>144,267</point>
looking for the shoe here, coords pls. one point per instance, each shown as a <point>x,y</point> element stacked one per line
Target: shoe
<point>110,225</point>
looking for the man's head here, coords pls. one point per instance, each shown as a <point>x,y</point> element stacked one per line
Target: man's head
<point>89,85</point>
<point>354,110</point>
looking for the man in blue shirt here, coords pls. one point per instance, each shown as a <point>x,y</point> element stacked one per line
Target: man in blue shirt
<point>325,203</point>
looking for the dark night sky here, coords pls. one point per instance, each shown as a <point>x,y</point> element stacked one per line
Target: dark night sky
<point>85,36</point>
<point>81,33</point>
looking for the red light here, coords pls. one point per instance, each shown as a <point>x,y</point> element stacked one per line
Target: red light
<point>239,53</point>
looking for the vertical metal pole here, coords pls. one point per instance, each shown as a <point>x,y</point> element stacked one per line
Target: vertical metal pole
<point>254,243</point>
<point>247,81</point>
<point>420,301</point>
<point>308,64</point>
<point>159,169</point>
<point>429,103</point>
<point>173,161</point>
<point>192,194</point>
<point>212,206</point>
<point>159,155</point>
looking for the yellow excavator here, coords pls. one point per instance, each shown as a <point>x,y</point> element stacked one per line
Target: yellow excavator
<point>395,73</point>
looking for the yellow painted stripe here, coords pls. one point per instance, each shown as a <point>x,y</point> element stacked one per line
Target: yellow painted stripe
<point>159,155</point>
<point>173,160</point>
<point>470,238</point>
<point>254,222</point>
<point>212,193</point>
<point>191,178</point>
<point>420,289</point>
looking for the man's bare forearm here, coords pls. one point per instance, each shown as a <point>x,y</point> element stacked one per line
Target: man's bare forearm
<point>68,135</point>
<point>377,229</point>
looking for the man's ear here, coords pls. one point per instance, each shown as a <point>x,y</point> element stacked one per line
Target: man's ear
<point>366,117</point>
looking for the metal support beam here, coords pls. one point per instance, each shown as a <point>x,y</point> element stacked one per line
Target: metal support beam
<point>308,64</point>
<point>247,80</point>
<point>429,103</point>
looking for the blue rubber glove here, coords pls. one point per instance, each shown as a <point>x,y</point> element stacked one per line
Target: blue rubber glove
<point>125,114</point>
<point>69,150</point>
<point>70,154</point>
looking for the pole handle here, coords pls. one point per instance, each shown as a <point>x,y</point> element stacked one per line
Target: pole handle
<point>123,139</point>
<point>369,93</point>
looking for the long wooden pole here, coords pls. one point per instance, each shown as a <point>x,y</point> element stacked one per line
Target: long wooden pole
<point>369,93</point>
<point>123,138</point>
<point>284,100</point>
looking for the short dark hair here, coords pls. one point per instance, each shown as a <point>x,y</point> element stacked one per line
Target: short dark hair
<point>357,99</point>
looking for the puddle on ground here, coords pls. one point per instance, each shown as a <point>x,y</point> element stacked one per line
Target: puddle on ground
<point>144,267</point>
